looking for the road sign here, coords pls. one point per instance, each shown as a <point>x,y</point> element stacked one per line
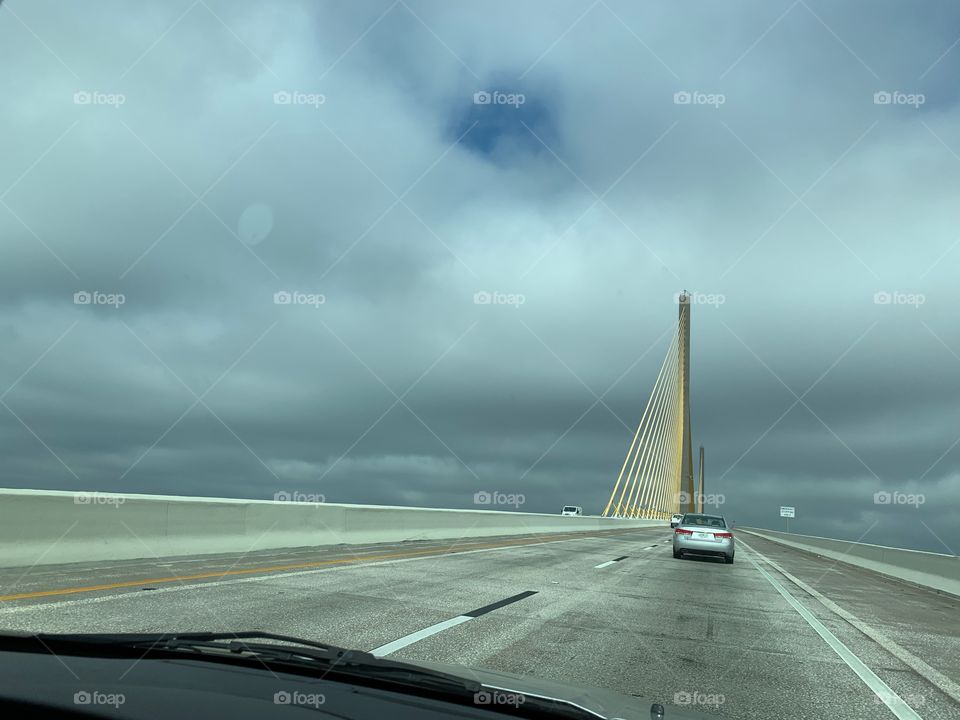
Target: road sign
<point>787,512</point>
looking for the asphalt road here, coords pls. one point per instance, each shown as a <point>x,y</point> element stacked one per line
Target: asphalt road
<point>612,610</point>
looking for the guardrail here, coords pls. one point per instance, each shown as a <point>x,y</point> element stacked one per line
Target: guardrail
<point>44,527</point>
<point>931,570</point>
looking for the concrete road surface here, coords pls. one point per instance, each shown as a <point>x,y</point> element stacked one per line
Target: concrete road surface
<point>612,609</point>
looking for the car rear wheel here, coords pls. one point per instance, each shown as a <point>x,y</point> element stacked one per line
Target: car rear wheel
<point>728,559</point>
<point>678,554</point>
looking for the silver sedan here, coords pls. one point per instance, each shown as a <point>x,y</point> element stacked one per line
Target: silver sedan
<point>699,534</point>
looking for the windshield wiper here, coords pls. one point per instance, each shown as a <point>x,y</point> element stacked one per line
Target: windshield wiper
<point>281,650</point>
<point>276,651</point>
<point>306,653</point>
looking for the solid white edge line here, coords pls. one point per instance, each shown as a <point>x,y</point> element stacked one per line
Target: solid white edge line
<point>883,691</point>
<point>928,673</point>
<point>400,643</point>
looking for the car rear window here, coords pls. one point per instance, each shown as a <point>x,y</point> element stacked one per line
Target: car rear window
<point>704,520</point>
<point>569,508</point>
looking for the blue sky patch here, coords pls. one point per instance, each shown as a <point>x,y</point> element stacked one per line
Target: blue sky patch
<point>506,121</point>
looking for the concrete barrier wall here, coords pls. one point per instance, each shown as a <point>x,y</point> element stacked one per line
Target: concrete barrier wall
<point>43,527</point>
<point>934,570</point>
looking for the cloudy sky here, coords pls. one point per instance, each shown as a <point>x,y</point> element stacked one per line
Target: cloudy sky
<point>178,164</point>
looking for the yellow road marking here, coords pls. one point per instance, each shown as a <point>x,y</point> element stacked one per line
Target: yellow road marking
<point>268,569</point>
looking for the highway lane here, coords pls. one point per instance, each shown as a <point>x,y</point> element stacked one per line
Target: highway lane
<point>613,610</point>
<point>49,581</point>
<point>923,622</point>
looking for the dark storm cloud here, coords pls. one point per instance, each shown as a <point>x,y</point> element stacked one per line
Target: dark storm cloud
<point>218,155</point>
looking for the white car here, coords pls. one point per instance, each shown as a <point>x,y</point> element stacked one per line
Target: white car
<point>675,519</point>
<point>572,510</point>
<point>700,534</point>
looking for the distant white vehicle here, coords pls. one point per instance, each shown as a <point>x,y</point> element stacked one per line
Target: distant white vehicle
<point>572,510</point>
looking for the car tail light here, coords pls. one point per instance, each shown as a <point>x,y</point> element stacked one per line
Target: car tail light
<point>681,531</point>
<point>723,535</point>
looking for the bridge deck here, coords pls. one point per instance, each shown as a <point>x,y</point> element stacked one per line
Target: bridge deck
<point>646,624</point>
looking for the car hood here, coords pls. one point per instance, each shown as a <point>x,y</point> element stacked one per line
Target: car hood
<point>603,703</point>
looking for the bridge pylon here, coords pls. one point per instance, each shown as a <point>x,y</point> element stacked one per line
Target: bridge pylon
<point>700,484</point>
<point>656,478</point>
<point>687,497</point>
